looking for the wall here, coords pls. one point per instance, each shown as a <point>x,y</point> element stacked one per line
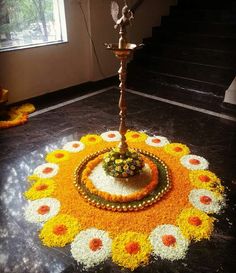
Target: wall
<point>36,71</point>
<point>230,94</point>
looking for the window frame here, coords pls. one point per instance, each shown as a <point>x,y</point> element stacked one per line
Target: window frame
<point>63,34</point>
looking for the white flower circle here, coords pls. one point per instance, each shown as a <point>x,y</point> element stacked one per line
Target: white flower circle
<point>171,252</point>
<point>74,146</point>
<point>206,200</point>
<point>42,209</point>
<point>111,136</point>
<point>157,141</point>
<point>82,247</point>
<point>194,162</point>
<point>46,170</point>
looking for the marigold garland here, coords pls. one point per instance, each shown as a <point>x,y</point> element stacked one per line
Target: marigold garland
<point>133,228</point>
<point>17,116</point>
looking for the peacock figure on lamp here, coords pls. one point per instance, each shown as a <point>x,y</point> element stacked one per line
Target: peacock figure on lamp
<point>122,162</point>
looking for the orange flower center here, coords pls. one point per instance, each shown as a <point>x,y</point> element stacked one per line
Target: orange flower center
<point>41,187</point>
<point>178,149</point>
<point>156,140</point>
<point>59,155</point>
<point>168,240</point>
<point>47,170</point>
<point>43,209</point>
<point>135,136</point>
<point>194,220</point>
<point>75,145</point>
<point>111,135</point>
<point>204,178</point>
<point>60,229</point>
<point>132,247</point>
<point>92,139</point>
<point>194,161</point>
<point>205,200</point>
<point>95,244</point>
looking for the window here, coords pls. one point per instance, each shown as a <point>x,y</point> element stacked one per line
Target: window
<point>27,23</point>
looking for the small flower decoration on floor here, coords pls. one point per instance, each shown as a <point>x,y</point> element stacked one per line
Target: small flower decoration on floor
<point>57,156</point>
<point>131,239</point>
<point>168,242</point>
<point>194,162</point>
<point>157,141</point>
<point>91,247</point>
<point>133,136</point>
<point>111,136</point>
<point>42,210</point>
<point>41,188</point>
<point>46,170</point>
<point>177,149</point>
<point>74,146</point>
<point>59,231</point>
<point>204,179</point>
<point>91,139</point>
<point>131,249</point>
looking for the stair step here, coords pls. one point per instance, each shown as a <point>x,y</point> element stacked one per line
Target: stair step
<point>204,15</point>
<point>190,54</point>
<point>205,4</point>
<point>199,26</point>
<point>139,75</point>
<point>216,75</point>
<point>226,43</point>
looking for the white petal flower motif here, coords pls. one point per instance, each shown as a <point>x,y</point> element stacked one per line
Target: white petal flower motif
<point>91,247</point>
<point>194,162</point>
<point>157,141</point>
<point>206,200</point>
<point>168,242</point>
<point>41,210</point>
<point>111,136</point>
<point>74,146</point>
<point>46,170</point>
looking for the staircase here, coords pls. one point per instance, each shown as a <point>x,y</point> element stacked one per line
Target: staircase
<point>191,57</point>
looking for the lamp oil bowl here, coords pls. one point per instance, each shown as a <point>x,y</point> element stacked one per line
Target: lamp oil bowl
<point>122,165</point>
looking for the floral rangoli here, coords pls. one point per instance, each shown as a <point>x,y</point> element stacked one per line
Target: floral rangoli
<point>131,237</point>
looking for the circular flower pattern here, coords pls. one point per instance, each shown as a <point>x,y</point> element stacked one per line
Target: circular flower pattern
<point>194,162</point>
<point>111,136</point>
<point>59,231</point>
<point>206,180</point>
<point>91,139</point>
<point>177,149</point>
<point>157,141</point>
<point>206,200</point>
<point>91,247</point>
<point>168,242</point>
<point>194,224</point>
<point>131,249</point>
<point>46,170</point>
<point>74,146</point>
<point>57,156</point>
<point>195,192</point>
<point>41,188</point>
<point>133,136</point>
<point>41,210</point>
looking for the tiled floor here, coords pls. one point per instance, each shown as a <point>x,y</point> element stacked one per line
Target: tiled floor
<point>23,148</point>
